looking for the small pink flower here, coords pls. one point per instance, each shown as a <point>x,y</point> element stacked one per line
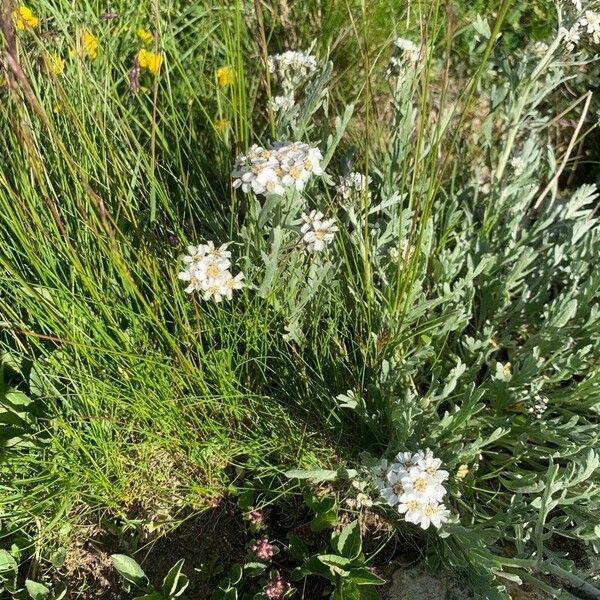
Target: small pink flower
<point>256,517</point>
<point>276,588</point>
<point>263,549</point>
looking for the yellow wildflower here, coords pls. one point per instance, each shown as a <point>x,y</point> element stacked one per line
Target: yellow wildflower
<point>24,17</point>
<point>225,76</point>
<point>55,64</point>
<point>149,61</point>
<point>221,125</point>
<point>145,36</point>
<point>90,44</point>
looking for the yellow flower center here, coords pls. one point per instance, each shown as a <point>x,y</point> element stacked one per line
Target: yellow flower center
<point>213,271</point>
<point>420,484</point>
<point>428,510</point>
<point>412,505</point>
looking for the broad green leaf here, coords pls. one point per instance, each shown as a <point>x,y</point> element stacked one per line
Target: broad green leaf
<point>364,576</point>
<point>254,568</point>
<point>368,593</point>
<point>297,549</point>
<point>130,570</point>
<point>36,590</point>
<point>338,564</point>
<point>7,562</point>
<point>235,574</point>
<point>348,542</point>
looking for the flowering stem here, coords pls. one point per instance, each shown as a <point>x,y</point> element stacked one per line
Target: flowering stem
<point>154,109</point>
<point>262,43</point>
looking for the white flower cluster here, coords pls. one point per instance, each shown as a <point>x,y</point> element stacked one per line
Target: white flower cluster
<point>207,271</point>
<point>292,68</point>
<point>588,23</point>
<point>406,251</point>
<point>536,405</point>
<point>271,170</point>
<point>413,484</point>
<point>352,185</point>
<point>570,37</point>
<point>518,164</point>
<point>405,52</point>
<point>282,103</point>
<point>540,49</point>
<point>317,231</point>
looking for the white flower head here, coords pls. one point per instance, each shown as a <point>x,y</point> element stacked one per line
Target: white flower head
<point>393,488</point>
<point>431,465</point>
<point>220,252</point>
<point>406,53</point>
<point>518,165</point>
<point>194,256</point>
<point>423,513</point>
<point>413,486</point>
<point>317,231</point>
<point>310,219</point>
<point>536,405</point>
<point>571,37</point>
<point>271,170</point>
<point>214,267</point>
<point>591,22</point>
<point>408,50</point>
<point>194,277</point>
<point>292,68</point>
<point>268,182</point>
<point>207,271</point>
<point>227,283</point>
<point>409,459</point>
<point>352,185</point>
<point>283,103</point>
<point>363,501</point>
<point>420,483</point>
<point>540,49</point>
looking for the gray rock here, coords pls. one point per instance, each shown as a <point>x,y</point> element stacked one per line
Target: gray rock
<point>414,583</point>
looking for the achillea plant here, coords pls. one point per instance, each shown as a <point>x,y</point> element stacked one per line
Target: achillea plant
<point>442,296</point>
